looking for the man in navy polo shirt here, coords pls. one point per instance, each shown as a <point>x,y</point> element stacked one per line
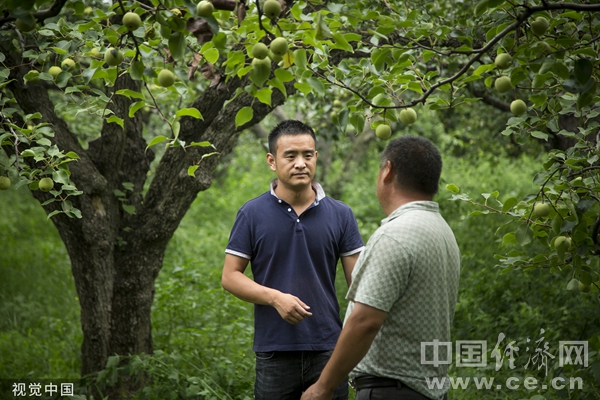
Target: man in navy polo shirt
<point>293,236</point>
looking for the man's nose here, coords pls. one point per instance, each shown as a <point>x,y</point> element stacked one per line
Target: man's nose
<point>300,163</point>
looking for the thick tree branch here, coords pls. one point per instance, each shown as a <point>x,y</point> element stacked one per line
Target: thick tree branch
<point>53,11</point>
<point>488,99</point>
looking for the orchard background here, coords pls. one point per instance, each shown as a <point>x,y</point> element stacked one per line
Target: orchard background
<point>140,137</point>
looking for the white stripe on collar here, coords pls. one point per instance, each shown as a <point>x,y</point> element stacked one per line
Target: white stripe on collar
<point>315,185</point>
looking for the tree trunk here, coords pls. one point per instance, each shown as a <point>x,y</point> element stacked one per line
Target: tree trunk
<point>116,256</point>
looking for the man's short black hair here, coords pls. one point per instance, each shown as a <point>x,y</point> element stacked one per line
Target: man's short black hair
<point>289,127</point>
<point>416,162</point>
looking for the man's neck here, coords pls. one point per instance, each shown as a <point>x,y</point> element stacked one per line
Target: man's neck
<point>402,198</point>
<point>301,198</point>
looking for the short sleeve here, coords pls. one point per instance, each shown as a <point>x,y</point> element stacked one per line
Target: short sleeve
<point>240,238</point>
<point>381,273</point>
<point>352,242</point>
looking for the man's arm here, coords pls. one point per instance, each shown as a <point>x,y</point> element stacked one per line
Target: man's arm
<point>355,340</point>
<point>348,263</point>
<point>289,307</point>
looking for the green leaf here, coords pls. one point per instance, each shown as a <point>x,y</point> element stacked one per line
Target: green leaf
<point>379,56</point>
<point>189,112</point>
<point>156,140</point>
<point>539,99</point>
<point>300,59</point>
<point>357,120</point>
<point>136,71</point>
<point>110,76</point>
<point>116,120</point>
<point>31,117</point>
<point>284,75</point>
<point>53,213</point>
<point>524,234</point>
<point>560,70</point>
<point>129,209</point>
<point>234,58</point>
<point>59,50</point>
<point>509,238</point>
<point>483,68</point>
<point>177,44</point>
<point>84,27</point>
<point>583,70</point>
<point>540,135</point>
<point>88,74</point>
<point>276,83</point>
<point>547,66</point>
<point>317,86</point>
<point>211,55</point>
<point>264,95</point>
<point>72,155</point>
<point>243,116</point>
<point>63,79</point>
<point>135,107</point>
<point>415,87</point>
<point>489,35</point>
<point>568,224</point>
<point>453,188</point>
<point>304,87</point>
<point>44,142</point>
<point>485,5</point>
<point>200,144</point>
<point>586,98</point>
<point>509,203</point>
<point>192,170</point>
<point>130,93</point>
<point>341,43</point>
<point>111,35</point>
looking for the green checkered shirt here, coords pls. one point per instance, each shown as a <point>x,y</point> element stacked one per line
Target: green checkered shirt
<point>410,269</point>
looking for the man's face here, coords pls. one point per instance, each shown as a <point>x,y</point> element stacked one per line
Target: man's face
<point>296,160</point>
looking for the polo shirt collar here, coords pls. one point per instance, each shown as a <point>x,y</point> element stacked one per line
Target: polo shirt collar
<point>315,185</point>
<point>431,206</point>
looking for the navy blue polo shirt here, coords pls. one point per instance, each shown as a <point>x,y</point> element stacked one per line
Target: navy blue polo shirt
<point>296,255</point>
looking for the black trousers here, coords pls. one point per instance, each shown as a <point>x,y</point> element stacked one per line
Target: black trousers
<point>391,393</point>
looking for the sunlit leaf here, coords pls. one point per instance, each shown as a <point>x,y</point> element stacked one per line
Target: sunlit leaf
<point>243,116</point>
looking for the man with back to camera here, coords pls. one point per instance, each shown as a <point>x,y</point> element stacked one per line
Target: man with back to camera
<point>293,236</point>
<point>404,287</point>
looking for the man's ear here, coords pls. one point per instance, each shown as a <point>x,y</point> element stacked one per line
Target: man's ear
<point>387,173</point>
<point>271,161</point>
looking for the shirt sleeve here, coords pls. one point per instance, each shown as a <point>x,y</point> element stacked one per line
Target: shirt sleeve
<point>352,242</point>
<point>381,274</point>
<point>240,238</point>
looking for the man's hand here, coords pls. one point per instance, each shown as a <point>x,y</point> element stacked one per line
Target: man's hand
<point>290,308</point>
<point>316,393</point>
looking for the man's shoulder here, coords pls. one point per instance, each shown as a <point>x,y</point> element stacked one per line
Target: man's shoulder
<point>257,202</point>
<point>334,204</point>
